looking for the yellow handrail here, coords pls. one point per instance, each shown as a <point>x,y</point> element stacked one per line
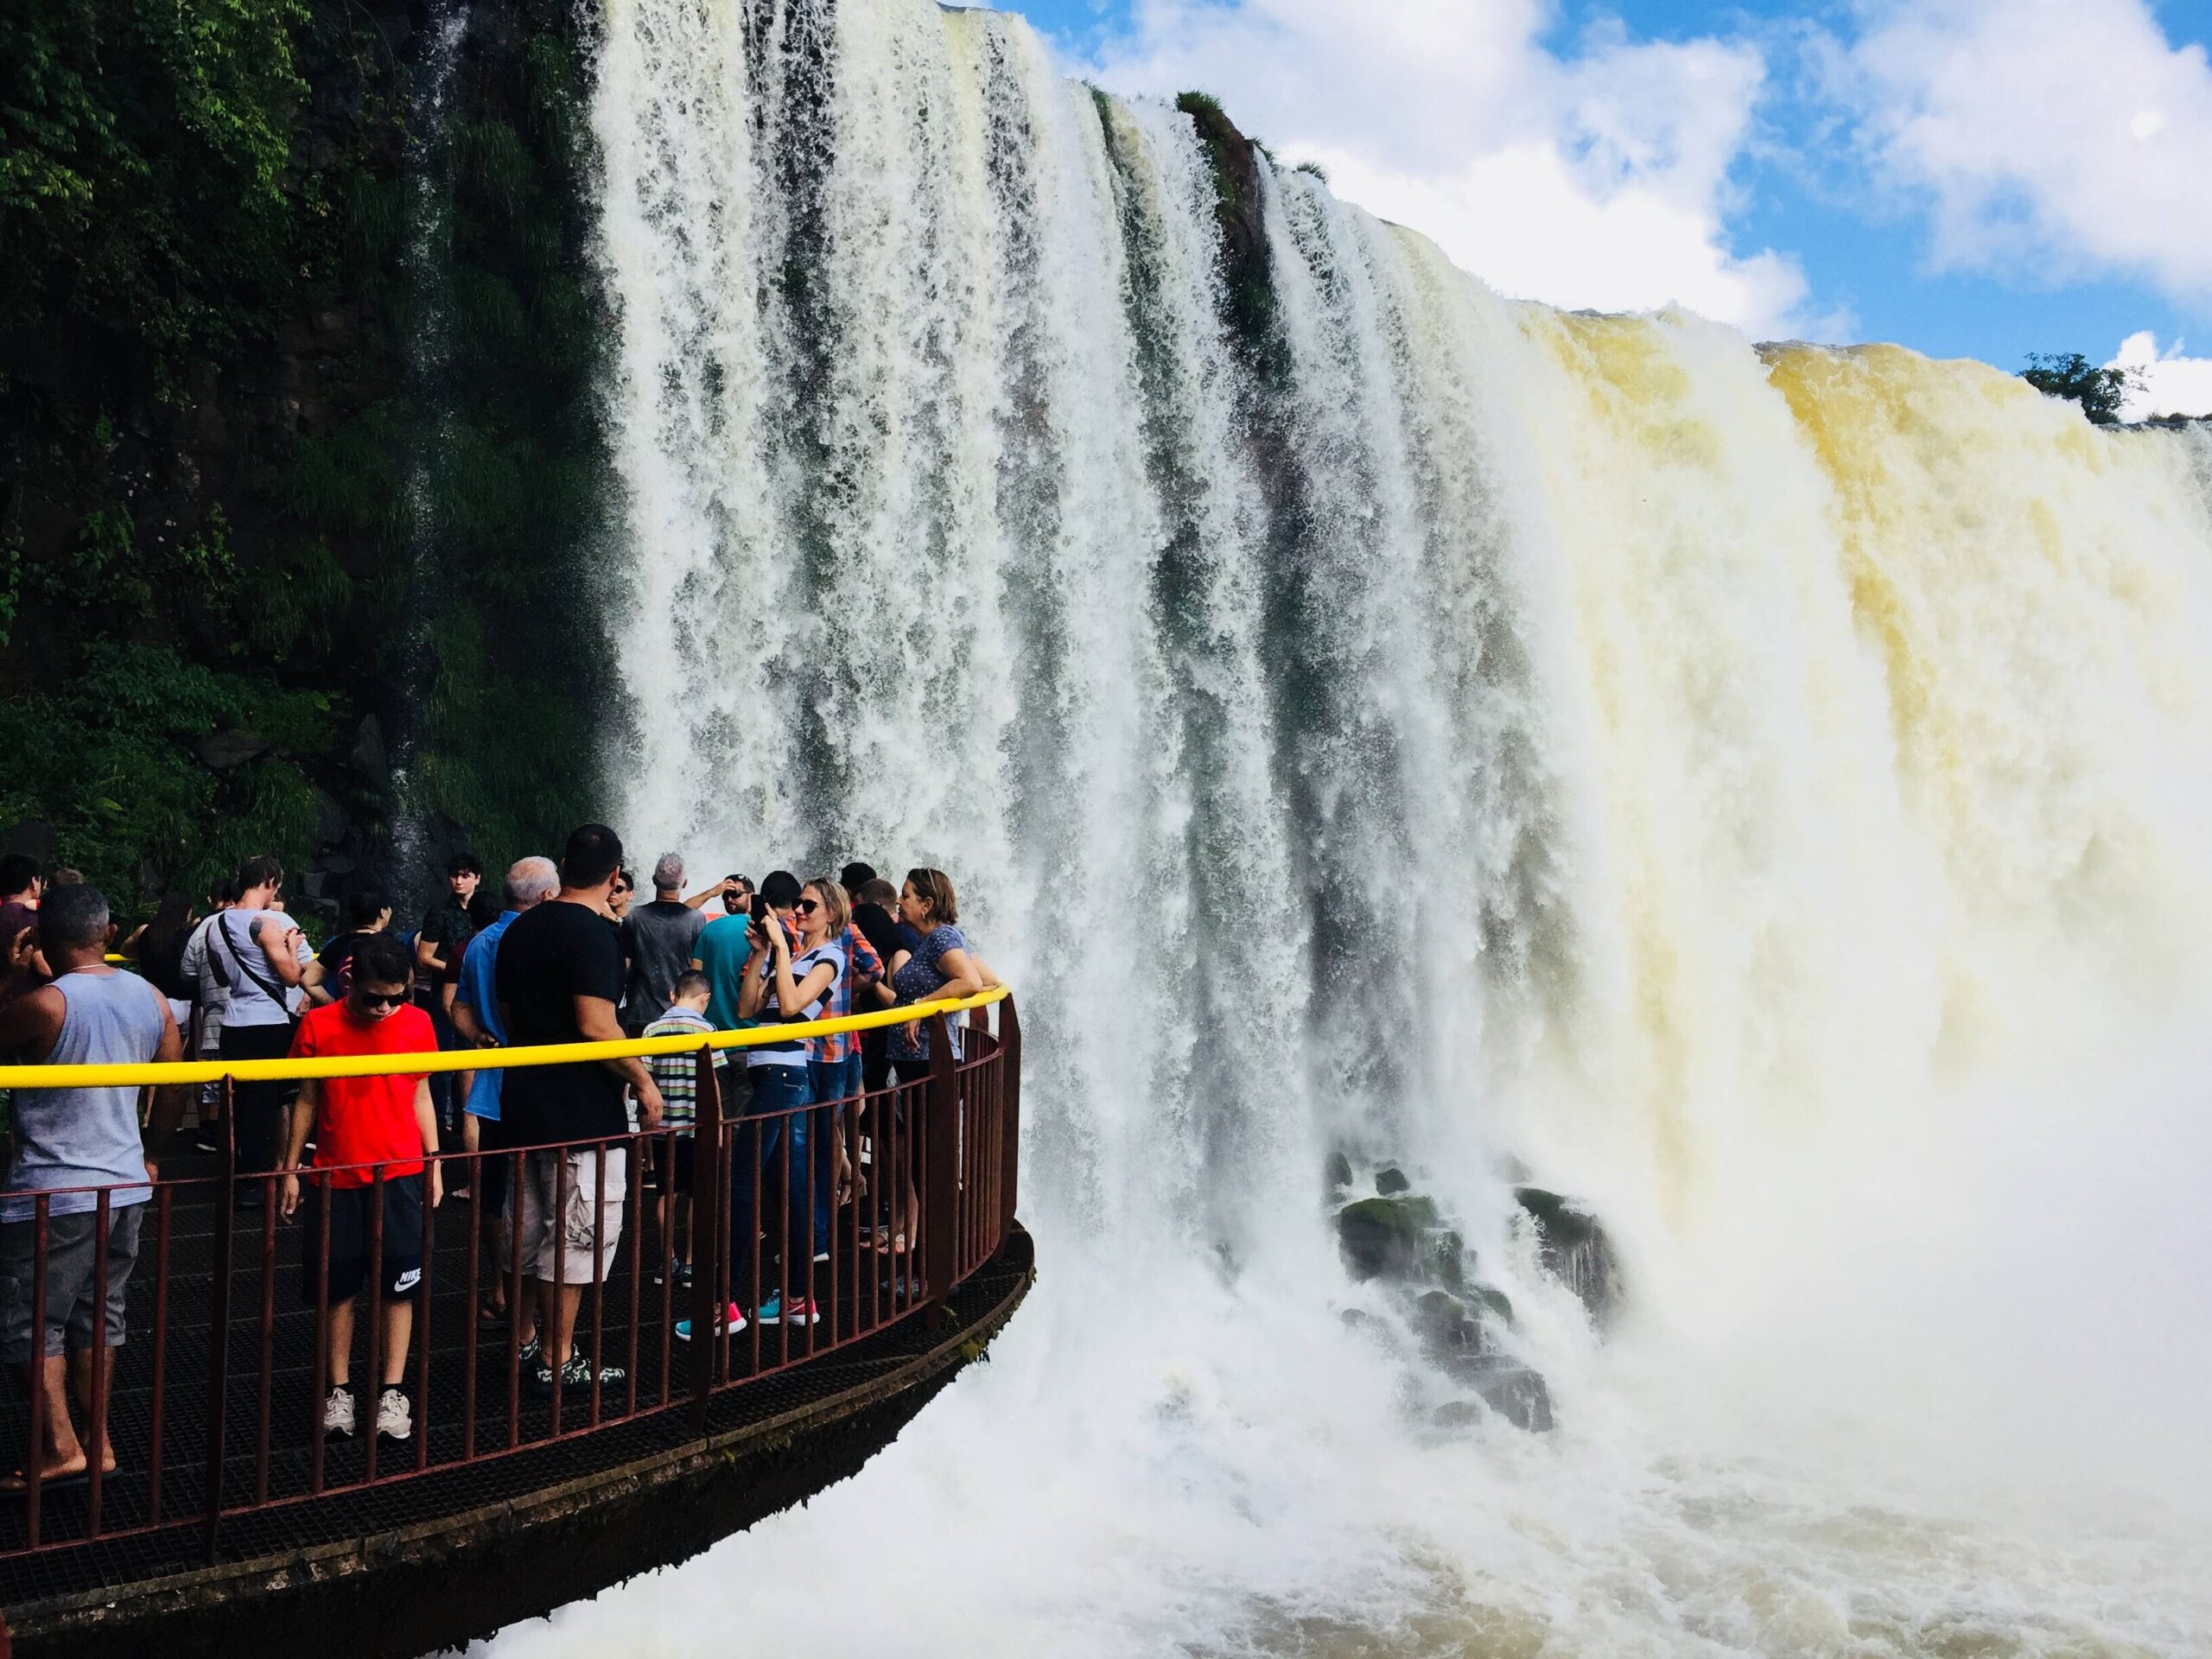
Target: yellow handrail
<point>470,1059</point>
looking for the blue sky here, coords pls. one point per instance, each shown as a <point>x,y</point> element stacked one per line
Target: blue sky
<point>1980,178</point>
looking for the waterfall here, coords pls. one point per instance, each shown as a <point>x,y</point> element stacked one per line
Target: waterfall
<point>1758,789</point>
<point>429,265</point>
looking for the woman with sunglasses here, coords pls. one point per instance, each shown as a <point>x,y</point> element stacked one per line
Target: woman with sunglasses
<point>787,987</point>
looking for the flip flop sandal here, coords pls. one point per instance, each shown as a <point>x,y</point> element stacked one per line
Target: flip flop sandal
<point>15,1485</point>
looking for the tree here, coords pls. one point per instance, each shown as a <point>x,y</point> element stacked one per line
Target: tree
<point>2072,376</point>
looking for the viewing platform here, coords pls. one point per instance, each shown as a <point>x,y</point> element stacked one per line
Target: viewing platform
<point>229,1508</point>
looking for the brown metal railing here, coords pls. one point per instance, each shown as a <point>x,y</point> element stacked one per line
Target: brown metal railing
<point>232,1412</point>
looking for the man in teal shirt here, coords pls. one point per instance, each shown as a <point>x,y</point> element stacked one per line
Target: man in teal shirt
<point>722,952</point>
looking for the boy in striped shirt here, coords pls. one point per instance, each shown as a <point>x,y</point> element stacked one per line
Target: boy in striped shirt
<point>678,1076</point>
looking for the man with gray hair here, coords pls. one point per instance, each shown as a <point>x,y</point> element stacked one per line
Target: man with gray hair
<point>530,881</point>
<point>78,1137</point>
<point>657,939</point>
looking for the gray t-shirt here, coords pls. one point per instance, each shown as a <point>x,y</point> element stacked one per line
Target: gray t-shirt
<point>87,1137</point>
<point>232,949</point>
<point>660,939</point>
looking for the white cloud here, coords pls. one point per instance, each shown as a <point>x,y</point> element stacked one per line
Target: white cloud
<point>2060,137</point>
<point>2168,383</point>
<point>1600,179</point>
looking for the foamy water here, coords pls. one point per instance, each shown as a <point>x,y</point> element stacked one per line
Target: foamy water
<point>1762,790</point>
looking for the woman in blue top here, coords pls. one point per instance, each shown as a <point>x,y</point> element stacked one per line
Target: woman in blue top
<point>940,965</point>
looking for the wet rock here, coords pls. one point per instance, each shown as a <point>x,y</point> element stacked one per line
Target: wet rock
<point>369,757</point>
<point>331,820</point>
<point>1507,1387</point>
<point>1449,1326</point>
<point>1457,1414</point>
<point>1445,1262</point>
<point>1427,1272</point>
<point>1338,1173</point>
<point>1390,1181</point>
<point>1574,1248</point>
<point>1494,1300</point>
<point>1384,1237</point>
<point>225,751</point>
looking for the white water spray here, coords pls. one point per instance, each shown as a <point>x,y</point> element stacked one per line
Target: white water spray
<point>1760,790</point>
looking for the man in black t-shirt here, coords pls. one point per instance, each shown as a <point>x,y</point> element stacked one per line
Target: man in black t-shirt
<point>559,974</point>
<point>447,928</point>
<point>448,925</point>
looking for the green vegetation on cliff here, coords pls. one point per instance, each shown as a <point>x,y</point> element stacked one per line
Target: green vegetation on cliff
<point>212,630</point>
<point>2073,376</point>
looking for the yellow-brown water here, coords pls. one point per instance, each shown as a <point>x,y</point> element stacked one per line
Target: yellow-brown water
<point>1761,789</point>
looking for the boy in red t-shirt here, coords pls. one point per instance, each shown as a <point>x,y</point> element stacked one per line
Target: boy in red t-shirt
<point>358,1124</point>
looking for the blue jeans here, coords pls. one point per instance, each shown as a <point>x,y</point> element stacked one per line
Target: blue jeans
<point>834,1080</point>
<point>759,1146</point>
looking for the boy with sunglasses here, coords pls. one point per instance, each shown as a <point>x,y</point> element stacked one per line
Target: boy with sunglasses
<point>358,1124</point>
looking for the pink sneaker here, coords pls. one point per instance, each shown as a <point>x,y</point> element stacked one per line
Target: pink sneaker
<point>732,1321</point>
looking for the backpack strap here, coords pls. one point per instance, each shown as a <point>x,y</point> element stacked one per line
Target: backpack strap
<point>274,993</point>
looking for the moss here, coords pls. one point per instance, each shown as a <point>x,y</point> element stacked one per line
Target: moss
<point>172,564</point>
<point>1248,289</point>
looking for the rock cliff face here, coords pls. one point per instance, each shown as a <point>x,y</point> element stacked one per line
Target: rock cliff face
<point>248,553</point>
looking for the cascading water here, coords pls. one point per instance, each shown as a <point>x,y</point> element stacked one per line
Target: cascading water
<point>1761,790</point>
<point>430,396</point>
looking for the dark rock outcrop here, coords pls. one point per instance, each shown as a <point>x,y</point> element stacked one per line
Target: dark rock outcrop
<point>1398,1243</point>
<point>1385,1237</point>
<point>1507,1387</point>
<point>1574,1248</point>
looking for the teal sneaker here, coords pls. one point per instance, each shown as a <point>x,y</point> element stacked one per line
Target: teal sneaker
<point>732,1322</point>
<point>802,1312</point>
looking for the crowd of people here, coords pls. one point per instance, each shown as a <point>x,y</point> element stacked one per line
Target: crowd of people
<point>567,958</point>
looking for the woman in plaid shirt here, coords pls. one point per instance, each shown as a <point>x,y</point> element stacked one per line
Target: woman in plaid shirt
<point>833,1063</point>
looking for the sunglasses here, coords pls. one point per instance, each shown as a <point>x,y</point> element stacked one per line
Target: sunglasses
<point>807,906</point>
<point>381,998</point>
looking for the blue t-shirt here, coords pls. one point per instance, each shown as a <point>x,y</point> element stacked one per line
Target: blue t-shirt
<point>479,990</point>
<point>721,952</point>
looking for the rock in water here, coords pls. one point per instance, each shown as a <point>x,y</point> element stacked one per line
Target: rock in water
<point>1338,1173</point>
<point>1507,1387</point>
<point>1384,1237</point>
<point>1390,1181</point>
<point>1574,1247</point>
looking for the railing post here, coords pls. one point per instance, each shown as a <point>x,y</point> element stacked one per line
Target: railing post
<point>1009,1062</point>
<point>941,1172</point>
<point>709,1237</point>
<point>218,1318</point>
<point>34,1463</point>
<point>96,1409</point>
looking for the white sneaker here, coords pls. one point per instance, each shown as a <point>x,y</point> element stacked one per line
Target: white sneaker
<point>395,1417</point>
<point>338,1412</point>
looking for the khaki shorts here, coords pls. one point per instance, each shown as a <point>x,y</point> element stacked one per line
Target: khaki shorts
<point>582,1216</point>
<point>71,1242</point>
